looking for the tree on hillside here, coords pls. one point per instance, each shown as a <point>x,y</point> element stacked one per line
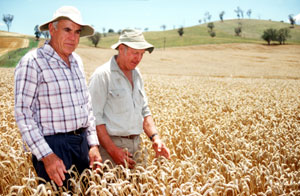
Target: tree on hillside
<point>104,34</point>
<point>211,27</point>
<point>45,34</point>
<point>37,32</point>
<point>269,35</point>
<point>111,31</point>
<point>238,30</point>
<point>207,16</point>
<point>163,27</point>
<point>180,31</point>
<point>221,15</point>
<point>292,20</point>
<point>8,18</point>
<point>239,12</point>
<point>249,12</point>
<point>199,21</point>
<point>283,34</point>
<point>95,38</point>
<point>212,34</point>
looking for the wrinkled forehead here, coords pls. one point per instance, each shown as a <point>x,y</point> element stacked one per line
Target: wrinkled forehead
<point>134,50</point>
<point>66,23</point>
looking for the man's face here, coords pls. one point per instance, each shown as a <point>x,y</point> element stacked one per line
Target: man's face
<point>130,57</point>
<point>65,38</point>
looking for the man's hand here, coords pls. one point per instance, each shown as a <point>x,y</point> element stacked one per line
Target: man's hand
<point>120,155</point>
<point>160,148</point>
<point>55,168</point>
<point>95,156</point>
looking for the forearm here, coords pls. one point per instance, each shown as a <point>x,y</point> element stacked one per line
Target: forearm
<point>104,139</point>
<point>149,128</point>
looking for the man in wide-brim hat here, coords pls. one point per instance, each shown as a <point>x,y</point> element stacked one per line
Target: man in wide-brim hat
<point>52,103</point>
<point>120,103</point>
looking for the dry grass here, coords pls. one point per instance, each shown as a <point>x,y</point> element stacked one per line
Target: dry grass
<point>12,43</point>
<point>227,136</point>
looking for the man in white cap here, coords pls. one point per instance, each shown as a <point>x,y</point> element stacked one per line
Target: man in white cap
<point>120,104</point>
<point>52,103</point>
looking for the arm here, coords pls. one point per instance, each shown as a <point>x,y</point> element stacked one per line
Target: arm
<point>118,155</point>
<point>158,146</point>
<point>26,106</point>
<point>150,129</point>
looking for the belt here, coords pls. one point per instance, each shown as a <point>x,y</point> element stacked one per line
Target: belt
<point>130,136</point>
<point>77,131</point>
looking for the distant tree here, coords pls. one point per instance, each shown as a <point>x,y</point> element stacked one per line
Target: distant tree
<point>45,34</point>
<point>37,32</point>
<point>8,18</point>
<point>242,13</point>
<point>283,34</point>
<point>249,12</point>
<point>269,35</point>
<point>221,15</point>
<point>239,12</point>
<point>146,29</point>
<point>120,31</point>
<point>238,30</point>
<point>292,20</point>
<point>199,21</point>
<point>212,34</point>
<point>180,31</point>
<point>211,26</point>
<point>95,38</point>
<point>111,31</point>
<point>103,30</point>
<point>163,27</point>
<point>207,16</point>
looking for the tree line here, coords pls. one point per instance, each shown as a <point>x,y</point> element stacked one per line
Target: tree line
<point>269,35</point>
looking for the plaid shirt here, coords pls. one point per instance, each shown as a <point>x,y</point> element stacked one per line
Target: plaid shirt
<point>51,98</point>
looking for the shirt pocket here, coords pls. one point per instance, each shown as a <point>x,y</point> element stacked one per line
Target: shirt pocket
<point>118,101</point>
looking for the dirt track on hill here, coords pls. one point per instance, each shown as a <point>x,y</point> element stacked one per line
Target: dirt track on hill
<point>11,43</point>
<point>224,60</point>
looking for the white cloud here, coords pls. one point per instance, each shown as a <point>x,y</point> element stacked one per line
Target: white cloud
<point>1,24</point>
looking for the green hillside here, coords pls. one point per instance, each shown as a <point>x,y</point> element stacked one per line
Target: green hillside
<point>251,33</point>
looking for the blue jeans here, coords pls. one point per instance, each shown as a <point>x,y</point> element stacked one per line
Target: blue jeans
<point>72,149</point>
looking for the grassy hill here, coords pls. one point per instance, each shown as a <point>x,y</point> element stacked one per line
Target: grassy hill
<point>251,33</point>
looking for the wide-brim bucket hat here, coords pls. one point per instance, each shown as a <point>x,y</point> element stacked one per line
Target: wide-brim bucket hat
<point>134,39</point>
<point>73,14</point>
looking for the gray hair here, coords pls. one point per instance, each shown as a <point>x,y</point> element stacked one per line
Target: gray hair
<point>55,24</point>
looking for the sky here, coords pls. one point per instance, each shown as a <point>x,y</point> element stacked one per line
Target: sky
<point>142,14</point>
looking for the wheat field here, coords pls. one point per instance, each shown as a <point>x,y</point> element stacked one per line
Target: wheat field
<point>227,136</point>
